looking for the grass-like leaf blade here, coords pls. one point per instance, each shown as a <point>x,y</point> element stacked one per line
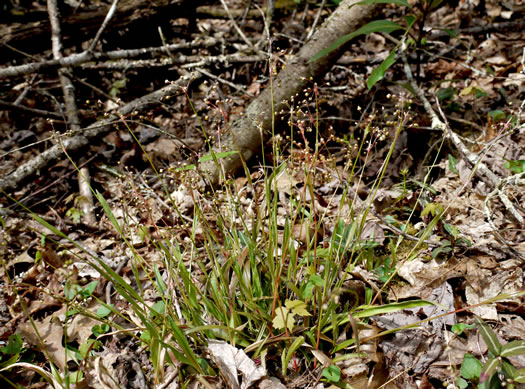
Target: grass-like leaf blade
<point>379,72</point>
<point>489,368</point>
<point>183,343</point>
<point>365,311</point>
<point>293,348</point>
<point>375,26</point>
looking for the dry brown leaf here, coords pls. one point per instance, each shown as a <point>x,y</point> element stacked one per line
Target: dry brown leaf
<point>232,362</point>
<point>51,332</point>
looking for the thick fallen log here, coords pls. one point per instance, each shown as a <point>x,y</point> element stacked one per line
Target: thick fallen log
<point>245,134</point>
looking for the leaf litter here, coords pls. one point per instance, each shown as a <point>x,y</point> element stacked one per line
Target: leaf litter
<point>467,276</point>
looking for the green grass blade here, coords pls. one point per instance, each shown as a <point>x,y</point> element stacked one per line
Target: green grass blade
<point>364,311</point>
<point>293,348</point>
<point>385,26</point>
<point>489,368</point>
<point>184,345</point>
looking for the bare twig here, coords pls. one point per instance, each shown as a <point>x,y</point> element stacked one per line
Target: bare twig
<point>108,17</point>
<point>484,29</point>
<point>34,194</point>
<point>35,111</point>
<point>199,61</point>
<point>398,231</point>
<point>494,180</point>
<point>470,157</point>
<point>237,28</point>
<point>67,86</point>
<point>266,36</point>
<point>68,90</point>
<point>165,43</point>
<point>208,11</point>
<point>22,95</point>
<point>78,59</point>
<point>86,197</point>
<point>222,80</point>
<point>94,88</point>
<point>270,10</point>
<point>517,179</point>
<point>186,62</point>
<point>316,20</point>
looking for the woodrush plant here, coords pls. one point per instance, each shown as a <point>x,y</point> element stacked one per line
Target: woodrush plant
<point>245,278</point>
<point>304,288</point>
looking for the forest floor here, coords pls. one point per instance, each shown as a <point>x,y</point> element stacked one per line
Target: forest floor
<point>373,241</point>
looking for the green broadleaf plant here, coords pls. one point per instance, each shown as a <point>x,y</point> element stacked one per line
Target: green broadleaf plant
<point>332,373</point>
<point>471,367</point>
<point>515,166</point>
<point>498,369</point>
<point>384,26</point>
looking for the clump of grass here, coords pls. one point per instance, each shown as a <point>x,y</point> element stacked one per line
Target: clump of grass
<point>263,266</point>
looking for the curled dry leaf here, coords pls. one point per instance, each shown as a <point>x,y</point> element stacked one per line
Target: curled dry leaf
<point>232,362</point>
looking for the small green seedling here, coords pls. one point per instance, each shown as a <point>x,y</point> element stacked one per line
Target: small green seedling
<point>515,166</point>
<point>10,353</point>
<point>470,371</point>
<point>332,374</point>
<point>459,328</point>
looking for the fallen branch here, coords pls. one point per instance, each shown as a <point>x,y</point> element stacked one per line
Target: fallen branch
<point>479,168</point>
<point>186,62</point>
<point>130,15</point>
<point>97,129</point>
<point>87,56</point>
<point>34,111</point>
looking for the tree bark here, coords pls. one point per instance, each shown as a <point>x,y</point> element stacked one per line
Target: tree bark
<point>245,136</point>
